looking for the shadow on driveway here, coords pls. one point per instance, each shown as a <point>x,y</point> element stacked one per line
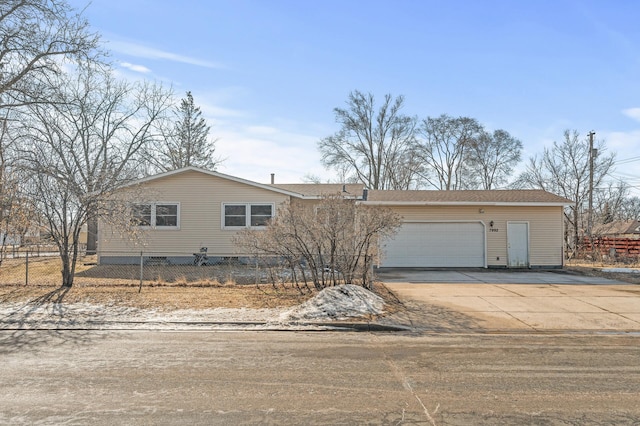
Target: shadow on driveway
<point>488,276</point>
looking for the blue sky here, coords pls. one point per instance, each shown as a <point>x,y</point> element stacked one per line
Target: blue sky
<point>267,74</point>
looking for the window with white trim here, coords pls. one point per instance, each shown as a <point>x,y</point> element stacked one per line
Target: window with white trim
<point>156,215</point>
<point>252,215</point>
<point>141,214</point>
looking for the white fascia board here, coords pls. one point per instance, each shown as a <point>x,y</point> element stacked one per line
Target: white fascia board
<point>463,203</point>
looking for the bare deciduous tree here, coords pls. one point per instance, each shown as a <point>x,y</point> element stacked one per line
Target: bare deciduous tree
<point>375,147</point>
<point>630,209</point>
<point>16,212</point>
<point>82,147</point>
<point>35,37</point>
<point>608,201</point>
<point>490,159</point>
<point>564,170</point>
<point>443,150</point>
<point>336,239</point>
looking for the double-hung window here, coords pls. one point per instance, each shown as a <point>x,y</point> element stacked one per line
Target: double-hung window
<point>245,215</point>
<point>157,215</point>
<point>260,214</point>
<point>141,215</point>
<point>235,215</point>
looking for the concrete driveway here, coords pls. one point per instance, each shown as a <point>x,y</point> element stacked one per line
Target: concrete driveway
<point>488,301</point>
<point>484,276</point>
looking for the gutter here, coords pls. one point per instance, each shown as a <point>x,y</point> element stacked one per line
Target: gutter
<point>465,203</point>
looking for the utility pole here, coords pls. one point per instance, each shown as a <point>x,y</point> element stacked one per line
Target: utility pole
<point>591,155</point>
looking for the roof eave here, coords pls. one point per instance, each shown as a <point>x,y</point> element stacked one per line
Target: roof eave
<point>468,203</point>
<point>320,197</point>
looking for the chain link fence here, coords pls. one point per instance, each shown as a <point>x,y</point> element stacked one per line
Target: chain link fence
<point>166,268</point>
<point>15,251</point>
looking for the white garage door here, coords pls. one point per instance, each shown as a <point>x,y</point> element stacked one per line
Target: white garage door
<point>442,244</point>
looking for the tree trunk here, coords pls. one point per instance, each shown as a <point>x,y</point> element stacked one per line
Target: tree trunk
<point>69,256</point>
<point>92,235</point>
<point>576,238</point>
<point>67,277</point>
<point>67,274</point>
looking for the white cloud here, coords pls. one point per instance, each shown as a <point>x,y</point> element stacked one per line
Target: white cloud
<point>632,113</point>
<point>255,156</point>
<point>625,144</point>
<point>211,103</point>
<point>213,112</point>
<point>262,130</point>
<point>134,67</point>
<point>142,51</point>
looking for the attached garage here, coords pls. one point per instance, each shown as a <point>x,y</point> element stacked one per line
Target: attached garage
<point>471,229</point>
<point>436,244</point>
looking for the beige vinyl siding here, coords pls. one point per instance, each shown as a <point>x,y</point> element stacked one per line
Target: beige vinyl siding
<point>201,197</point>
<point>545,228</point>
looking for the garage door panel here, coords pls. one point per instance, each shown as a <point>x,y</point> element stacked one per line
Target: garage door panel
<point>436,244</point>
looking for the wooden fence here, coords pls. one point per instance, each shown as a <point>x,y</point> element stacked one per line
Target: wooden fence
<point>614,247</point>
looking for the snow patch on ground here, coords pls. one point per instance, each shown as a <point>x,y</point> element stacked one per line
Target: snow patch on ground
<point>76,313</point>
<point>337,303</point>
<point>622,270</point>
<point>333,303</point>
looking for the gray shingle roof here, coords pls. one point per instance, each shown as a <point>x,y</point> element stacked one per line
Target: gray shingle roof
<point>525,196</point>
<point>506,196</point>
<point>318,189</point>
<point>618,227</point>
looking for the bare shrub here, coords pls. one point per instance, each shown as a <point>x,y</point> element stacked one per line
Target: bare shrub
<point>327,243</point>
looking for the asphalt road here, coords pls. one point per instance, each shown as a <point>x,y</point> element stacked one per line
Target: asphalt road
<point>149,377</point>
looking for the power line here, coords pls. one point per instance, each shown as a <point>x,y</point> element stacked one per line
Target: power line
<point>625,176</point>
<point>627,160</point>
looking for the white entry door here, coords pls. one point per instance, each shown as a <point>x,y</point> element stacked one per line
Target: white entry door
<point>518,244</point>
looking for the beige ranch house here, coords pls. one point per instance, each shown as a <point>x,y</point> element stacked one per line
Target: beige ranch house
<point>187,209</point>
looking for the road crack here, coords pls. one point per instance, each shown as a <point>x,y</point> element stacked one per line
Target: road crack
<point>404,381</point>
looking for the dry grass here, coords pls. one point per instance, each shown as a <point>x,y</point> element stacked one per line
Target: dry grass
<point>186,287</point>
<point>594,268</point>
<point>164,297</point>
<point>597,272</point>
<point>46,271</point>
<point>163,288</point>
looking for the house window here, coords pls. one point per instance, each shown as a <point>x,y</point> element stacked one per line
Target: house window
<point>156,215</point>
<point>166,215</point>
<point>260,214</point>
<point>247,215</point>
<point>235,215</point>
<point>141,215</point>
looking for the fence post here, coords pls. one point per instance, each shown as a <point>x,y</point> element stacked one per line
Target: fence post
<point>141,272</point>
<point>26,269</point>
